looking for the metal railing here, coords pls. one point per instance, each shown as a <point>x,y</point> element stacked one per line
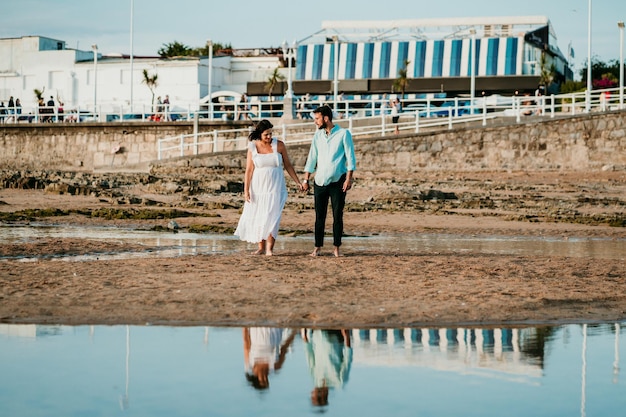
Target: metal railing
<point>457,111</point>
<point>349,107</point>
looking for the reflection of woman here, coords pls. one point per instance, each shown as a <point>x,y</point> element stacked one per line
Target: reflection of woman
<point>329,356</point>
<point>264,188</point>
<point>264,350</point>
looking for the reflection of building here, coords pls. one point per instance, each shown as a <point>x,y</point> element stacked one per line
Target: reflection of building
<point>29,330</point>
<point>507,353</point>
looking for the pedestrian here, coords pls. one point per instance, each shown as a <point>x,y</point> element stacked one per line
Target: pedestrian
<point>331,157</point>
<point>395,114</point>
<point>166,107</point>
<point>264,188</point>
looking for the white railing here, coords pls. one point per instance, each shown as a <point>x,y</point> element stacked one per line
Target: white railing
<point>355,108</point>
<point>427,117</point>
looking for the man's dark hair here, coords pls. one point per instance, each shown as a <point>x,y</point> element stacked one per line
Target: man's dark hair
<point>325,111</point>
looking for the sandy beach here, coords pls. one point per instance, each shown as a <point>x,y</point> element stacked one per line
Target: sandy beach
<point>40,283</point>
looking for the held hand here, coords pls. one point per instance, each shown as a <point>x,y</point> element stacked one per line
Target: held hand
<point>305,187</point>
<point>347,185</point>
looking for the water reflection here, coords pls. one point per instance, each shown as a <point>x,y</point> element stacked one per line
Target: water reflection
<point>164,244</point>
<point>137,370</point>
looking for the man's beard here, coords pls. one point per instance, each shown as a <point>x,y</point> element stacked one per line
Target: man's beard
<point>322,126</point>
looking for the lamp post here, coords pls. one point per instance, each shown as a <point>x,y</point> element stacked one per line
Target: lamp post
<point>620,25</point>
<point>336,75</point>
<point>209,45</point>
<point>472,70</point>
<point>289,53</point>
<point>588,95</point>
<point>94,47</point>
<point>132,80</point>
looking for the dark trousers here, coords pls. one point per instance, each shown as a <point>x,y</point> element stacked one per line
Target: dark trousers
<point>337,196</point>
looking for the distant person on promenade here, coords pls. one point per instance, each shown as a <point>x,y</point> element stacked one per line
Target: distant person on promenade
<point>331,157</point>
<point>166,108</point>
<point>395,114</point>
<point>264,188</point>
<point>50,109</point>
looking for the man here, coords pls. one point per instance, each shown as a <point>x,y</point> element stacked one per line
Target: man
<point>332,159</point>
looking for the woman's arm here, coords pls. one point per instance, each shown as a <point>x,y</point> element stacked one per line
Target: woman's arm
<point>247,179</point>
<point>287,163</point>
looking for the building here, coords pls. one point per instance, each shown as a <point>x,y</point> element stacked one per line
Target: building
<point>444,57</point>
<point>509,56</point>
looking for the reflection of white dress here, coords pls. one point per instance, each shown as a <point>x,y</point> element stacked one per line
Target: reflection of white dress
<point>268,194</point>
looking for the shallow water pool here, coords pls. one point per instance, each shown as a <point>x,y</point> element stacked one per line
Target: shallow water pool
<point>567,370</point>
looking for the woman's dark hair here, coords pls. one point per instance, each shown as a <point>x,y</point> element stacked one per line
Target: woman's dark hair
<point>325,111</point>
<point>260,127</point>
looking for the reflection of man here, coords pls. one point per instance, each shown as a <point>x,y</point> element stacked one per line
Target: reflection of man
<point>329,356</point>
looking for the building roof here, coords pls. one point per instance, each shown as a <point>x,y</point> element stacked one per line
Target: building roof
<point>425,29</point>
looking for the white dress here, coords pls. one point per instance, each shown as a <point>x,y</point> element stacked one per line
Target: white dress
<point>268,194</point>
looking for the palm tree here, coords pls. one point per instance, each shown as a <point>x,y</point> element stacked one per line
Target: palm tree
<point>272,82</point>
<point>402,82</point>
<point>547,73</point>
<point>39,93</point>
<point>151,82</point>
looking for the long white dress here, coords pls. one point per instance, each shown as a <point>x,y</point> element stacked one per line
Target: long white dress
<point>268,194</point>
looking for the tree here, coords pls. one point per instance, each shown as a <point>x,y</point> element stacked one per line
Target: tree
<point>174,49</point>
<point>272,82</point>
<point>151,82</point>
<point>402,82</point>
<point>547,72</point>
<point>602,71</point>
<point>39,93</point>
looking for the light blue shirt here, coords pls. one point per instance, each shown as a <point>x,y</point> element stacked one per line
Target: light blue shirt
<point>331,155</point>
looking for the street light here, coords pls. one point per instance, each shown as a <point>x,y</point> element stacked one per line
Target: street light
<point>336,76</point>
<point>209,45</point>
<point>94,47</point>
<point>472,70</point>
<point>289,53</point>
<point>132,9</point>
<point>588,95</point>
<point>620,25</point>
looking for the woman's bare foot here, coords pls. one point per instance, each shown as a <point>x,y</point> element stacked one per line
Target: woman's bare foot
<point>269,253</point>
<point>316,252</point>
<point>258,252</point>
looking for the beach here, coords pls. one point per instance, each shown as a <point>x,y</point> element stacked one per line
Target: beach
<point>43,283</point>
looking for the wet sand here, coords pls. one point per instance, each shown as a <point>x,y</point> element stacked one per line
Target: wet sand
<point>378,288</point>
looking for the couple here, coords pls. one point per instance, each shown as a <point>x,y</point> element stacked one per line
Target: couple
<point>331,157</point>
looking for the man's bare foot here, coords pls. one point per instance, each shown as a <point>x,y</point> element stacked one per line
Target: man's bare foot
<point>316,252</point>
<point>336,252</point>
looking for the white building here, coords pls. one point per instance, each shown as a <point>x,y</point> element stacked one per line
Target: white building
<point>76,79</point>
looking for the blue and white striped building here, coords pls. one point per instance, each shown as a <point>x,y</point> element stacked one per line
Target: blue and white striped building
<point>506,53</point>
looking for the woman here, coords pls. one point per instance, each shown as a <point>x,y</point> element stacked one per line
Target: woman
<point>264,188</point>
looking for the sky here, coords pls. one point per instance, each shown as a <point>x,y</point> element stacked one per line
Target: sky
<point>262,24</point>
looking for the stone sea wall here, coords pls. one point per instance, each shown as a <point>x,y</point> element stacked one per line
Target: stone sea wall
<point>585,142</point>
